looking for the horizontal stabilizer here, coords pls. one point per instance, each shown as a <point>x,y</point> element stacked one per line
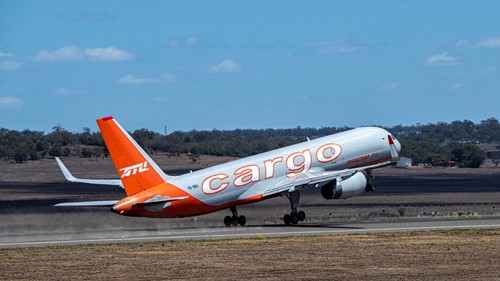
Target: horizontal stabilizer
<point>158,203</point>
<point>88,204</point>
<point>161,199</point>
<point>69,177</point>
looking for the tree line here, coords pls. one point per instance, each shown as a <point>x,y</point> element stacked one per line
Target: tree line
<point>433,144</point>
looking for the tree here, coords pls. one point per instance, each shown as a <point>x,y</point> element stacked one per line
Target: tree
<point>467,155</point>
<point>66,151</point>
<point>61,137</point>
<point>86,152</point>
<point>55,151</point>
<point>34,155</point>
<point>21,154</point>
<point>489,130</point>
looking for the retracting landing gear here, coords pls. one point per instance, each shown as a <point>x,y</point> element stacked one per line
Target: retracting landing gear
<point>235,219</point>
<point>294,217</point>
<point>370,185</point>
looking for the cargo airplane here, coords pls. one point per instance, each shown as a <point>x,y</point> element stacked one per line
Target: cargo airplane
<point>339,166</point>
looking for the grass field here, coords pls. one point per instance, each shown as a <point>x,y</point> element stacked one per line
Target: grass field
<point>437,255</point>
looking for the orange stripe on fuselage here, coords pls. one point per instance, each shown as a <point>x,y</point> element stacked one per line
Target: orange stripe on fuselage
<point>176,209</point>
<point>371,163</point>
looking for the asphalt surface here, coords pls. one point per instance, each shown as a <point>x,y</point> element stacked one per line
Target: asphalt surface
<point>25,198</point>
<point>28,218</point>
<point>146,235</point>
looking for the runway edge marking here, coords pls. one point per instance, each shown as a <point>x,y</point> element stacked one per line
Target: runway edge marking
<point>244,235</point>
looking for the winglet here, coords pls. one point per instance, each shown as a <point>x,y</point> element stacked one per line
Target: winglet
<point>69,177</point>
<point>67,174</point>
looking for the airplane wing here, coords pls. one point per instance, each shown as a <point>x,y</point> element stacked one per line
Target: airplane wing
<point>310,179</point>
<point>67,174</point>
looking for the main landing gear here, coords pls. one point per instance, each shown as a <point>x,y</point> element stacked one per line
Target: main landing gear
<point>370,185</point>
<point>235,219</point>
<point>294,217</point>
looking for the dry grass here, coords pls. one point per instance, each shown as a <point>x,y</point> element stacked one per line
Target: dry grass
<point>46,170</point>
<point>450,255</point>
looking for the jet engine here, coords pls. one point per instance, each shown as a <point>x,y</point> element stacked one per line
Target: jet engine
<point>342,189</point>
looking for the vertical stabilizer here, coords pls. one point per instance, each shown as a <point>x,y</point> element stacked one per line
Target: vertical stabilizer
<point>393,149</point>
<point>136,169</point>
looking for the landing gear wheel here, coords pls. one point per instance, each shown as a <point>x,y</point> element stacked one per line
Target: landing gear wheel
<point>287,219</point>
<point>234,220</point>
<point>242,220</point>
<point>301,215</point>
<point>370,188</point>
<point>295,218</point>
<point>228,220</point>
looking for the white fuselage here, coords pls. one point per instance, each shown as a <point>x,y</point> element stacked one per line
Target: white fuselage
<point>251,176</point>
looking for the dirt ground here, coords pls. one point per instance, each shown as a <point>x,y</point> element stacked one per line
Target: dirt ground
<point>46,169</point>
<point>439,255</point>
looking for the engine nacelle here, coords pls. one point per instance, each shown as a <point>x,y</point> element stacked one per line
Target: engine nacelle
<point>342,189</point>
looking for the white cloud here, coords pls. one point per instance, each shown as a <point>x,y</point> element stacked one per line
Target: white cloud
<point>3,55</point>
<point>131,79</point>
<point>463,43</point>
<point>191,41</point>
<point>74,53</point>
<point>11,102</point>
<point>442,59</point>
<point>487,70</point>
<point>10,65</point>
<point>108,54</point>
<point>331,47</point>
<point>85,17</point>
<point>226,66</point>
<point>67,53</point>
<point>457,86</point>
<point>391,86</point>
<point>490,42</point>
<point>159,99</point>
<point>66,92</point>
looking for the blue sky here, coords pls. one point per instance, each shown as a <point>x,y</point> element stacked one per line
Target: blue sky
<point>256,64</point>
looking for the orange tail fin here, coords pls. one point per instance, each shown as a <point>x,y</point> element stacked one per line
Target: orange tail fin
<point>137,170</point>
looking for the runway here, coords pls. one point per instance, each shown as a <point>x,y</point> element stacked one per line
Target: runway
<point>406,200</point>
<point>17,240</point>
